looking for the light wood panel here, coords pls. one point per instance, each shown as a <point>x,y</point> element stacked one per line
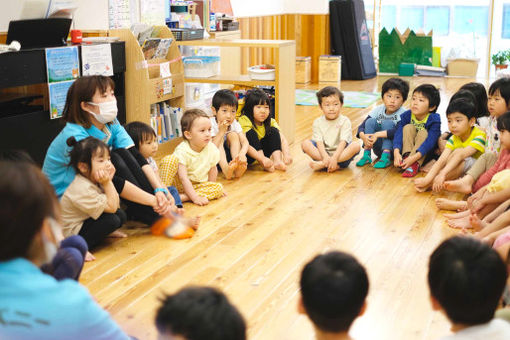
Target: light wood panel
<point>253,243</point>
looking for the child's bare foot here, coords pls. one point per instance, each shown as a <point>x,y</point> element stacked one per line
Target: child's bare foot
<point>241,169</point>
<point>232,166</point>
<point>446,204</point>
<point>476,222</point>
<point>89,257</point>
<point>317,165</point>
<point>180,211</point>
<point>426,168</point>
<point>194,222</point>
<point>421,184</point>
<point>459,185</point>
<point>458,215</point>
<point>118,234</point>
<point>280,166</point>
<point>460,223</point>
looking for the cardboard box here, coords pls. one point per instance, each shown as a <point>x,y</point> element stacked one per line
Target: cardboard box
<point>462,67</point>
<point>303,70</point>
<point>330,69</point>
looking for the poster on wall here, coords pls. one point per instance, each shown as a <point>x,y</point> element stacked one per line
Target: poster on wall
<point>62,64</point>
<point>119,13</point>
<point>57,94</point>
<point>152,12</point>
<point>97,60</point>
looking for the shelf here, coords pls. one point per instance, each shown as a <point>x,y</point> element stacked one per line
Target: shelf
<point>242,79</point>
<point>238,43</point>
<point>167,147</point>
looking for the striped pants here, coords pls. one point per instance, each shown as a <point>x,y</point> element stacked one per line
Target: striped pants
<point>168,172</point>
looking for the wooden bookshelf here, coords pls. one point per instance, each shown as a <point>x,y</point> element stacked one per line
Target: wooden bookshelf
<point>143,82</point>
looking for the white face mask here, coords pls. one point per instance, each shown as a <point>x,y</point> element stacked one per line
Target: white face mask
<point>50,248</point>
<point>107,111</point>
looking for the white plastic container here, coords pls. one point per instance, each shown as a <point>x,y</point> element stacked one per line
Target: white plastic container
<point>262,72</point>
<point>201,66</point>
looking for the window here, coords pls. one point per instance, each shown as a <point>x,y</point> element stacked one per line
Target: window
<point>389,17</point>
<point>505,27</point>
<point>437,19</point>
<point>412,17</point>
<point>471,19</point>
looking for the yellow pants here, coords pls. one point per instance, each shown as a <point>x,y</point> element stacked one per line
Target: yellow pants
<point>168,172</point>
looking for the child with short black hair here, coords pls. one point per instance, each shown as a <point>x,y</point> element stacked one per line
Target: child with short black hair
<point>199,313</point>
<point>378,129</point>
<point>462,149</point>
<point>418,131</point>
<point>192,166</point>
<point>331,145</point>
<point>466,280</point>
<point>268,145</point>
<point>334,287</point>
<point>228,134</point>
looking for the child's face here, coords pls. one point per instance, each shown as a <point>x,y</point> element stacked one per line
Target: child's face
<point>260,113</point>
<point>392,100</point>
<point>459,124</point>
<point>419,104</point>
<point>505,139</point>
<point>149,147</point>
<point>496,104</point>
<point>225,113</point>
<point>100,161</point>
<point>200,132</point>
<point>331,106</point>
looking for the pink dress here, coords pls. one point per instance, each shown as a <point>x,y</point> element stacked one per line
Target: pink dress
<point>502,163</point>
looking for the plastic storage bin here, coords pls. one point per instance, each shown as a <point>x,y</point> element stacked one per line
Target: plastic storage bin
<point>262,72</point>
<point>201,66</point>
<point>187,33</point>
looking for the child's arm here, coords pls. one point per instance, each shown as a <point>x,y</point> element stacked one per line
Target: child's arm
<point>491,198</point>
<point>112,197</point>
<point>322,150</point>
<point>422,183</point>
<point>182,172</point>
<point>287,157</point>
<point>244,146</point>
<point>333,160</point>
<point>213,174</point>
<point>458,156</point>
<point>222,130</point>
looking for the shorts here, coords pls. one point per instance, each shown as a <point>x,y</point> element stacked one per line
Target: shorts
<point>468,163</point>
<point>341,165</point>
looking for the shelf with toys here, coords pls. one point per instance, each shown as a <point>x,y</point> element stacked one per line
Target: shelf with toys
<point>154,83</point>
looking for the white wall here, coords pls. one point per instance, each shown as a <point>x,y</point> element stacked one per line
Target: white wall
<point>306,7</point>
<point>253,8</point>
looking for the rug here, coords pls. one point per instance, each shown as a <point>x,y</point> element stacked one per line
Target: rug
<point>353,99</point>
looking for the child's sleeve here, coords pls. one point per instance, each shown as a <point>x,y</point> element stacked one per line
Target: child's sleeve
<point>434,131</point>
<point>478,143</point>
<point>316,131</point>
<point>89,202</point>
<point>274,124</point>
<point>405,118</point>
<point>361,127</point>
<point>245,123</point>
<point>450,143</point>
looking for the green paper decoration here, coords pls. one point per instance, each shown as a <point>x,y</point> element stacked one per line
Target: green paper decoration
<point>415,50</point>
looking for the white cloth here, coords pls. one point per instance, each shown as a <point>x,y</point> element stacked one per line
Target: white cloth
<point>234,127</point>
<point>496,329</point>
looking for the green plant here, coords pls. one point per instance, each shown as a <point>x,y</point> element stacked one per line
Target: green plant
<point>501,57</point>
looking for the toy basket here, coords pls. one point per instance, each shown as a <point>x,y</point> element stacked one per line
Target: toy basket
<point>262,72</point>
<point>201,66</point>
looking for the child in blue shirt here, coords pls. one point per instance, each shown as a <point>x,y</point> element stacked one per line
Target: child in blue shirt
<point>378,129</point>
<point>418,131</point>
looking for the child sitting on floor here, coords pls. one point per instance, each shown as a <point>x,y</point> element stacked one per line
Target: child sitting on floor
<point>192,166</point>
<point>466,280</point>
<point>418,131</point>
<point>268,146</point>
<point>334,287</point>
<point>90,204</point>
<point>199,313</point>
<point>378,129</point>
<point>228,134</point>
<point>462,149</point>
<point>331,145</point>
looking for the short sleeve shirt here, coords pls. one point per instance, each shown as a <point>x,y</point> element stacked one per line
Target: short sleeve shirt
<point>493,138</point>
<point>419,124</point>
<point>476,140</point>
<point>234,127</point>
<point>197,164</point>
<point>331,132</point>
<point>379,113</point>
<point>247,125</point>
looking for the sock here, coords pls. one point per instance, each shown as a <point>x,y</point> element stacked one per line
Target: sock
<point>385,155</point>
<point>367,153</point>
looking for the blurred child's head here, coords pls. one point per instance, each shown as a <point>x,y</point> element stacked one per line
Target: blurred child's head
<point>499,97</point>
<point>224,106</point>
<point>144,137</point>
<point>18,156</point>
<point>199,313</point>
<point>333,291</point>
<point>196,128</point>
<point>503,125</point>
<point>480,97</point>
<point>88,155</point>
<point>425,99</point>
<point>466,279</point>
<point>90,98</point>
<point>461,117</point>
<point>394,93</point>
<point>331,100</point>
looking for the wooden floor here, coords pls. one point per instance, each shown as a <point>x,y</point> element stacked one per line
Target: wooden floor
<point>253,243</point>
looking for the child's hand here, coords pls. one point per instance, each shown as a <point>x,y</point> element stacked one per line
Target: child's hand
<point>397,159</point>
<point>223,126</point>
<point>111,170</point>
<point>406,163</point>
<point>201,200</point>
<point>366,140</point>
<point>101,176</point>
<point>242,158</point>
<point>372,138</point>
<point>332,164</point>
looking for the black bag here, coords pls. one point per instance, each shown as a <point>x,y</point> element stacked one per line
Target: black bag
<point>350,38</point>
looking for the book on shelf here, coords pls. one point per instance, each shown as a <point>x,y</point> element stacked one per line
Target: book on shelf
<point>149,47</point>
<point>163,47</point>
<point>165,120</point>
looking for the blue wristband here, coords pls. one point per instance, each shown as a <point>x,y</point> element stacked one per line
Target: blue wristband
<point>163,190</point>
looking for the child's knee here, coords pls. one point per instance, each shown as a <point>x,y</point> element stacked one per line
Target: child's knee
<point>387,124</point>
<point>371,123</point>
<point>233,138</point>
<point>409,129</point>
<point>77,242</point>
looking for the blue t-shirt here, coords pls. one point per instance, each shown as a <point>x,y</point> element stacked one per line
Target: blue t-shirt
<point>34,305</point>
<point>379,113</point>
<point>56,163</point>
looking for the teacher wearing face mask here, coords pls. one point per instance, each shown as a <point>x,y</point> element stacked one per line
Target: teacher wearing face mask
<point>34,305</point>
<point>91,110</point>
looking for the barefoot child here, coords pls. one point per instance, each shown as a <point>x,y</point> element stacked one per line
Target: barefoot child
<point>268,146</point>
<point>378,129</point>
<point>194,161</point>
<point>90,204</point>
<point>418,131</point>
<point>228,134</point>
<point>331,145</point>
<point>462,149</point>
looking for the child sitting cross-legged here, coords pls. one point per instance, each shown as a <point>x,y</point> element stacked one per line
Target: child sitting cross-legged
<point>466,279</point>
<point>192,166</point>
<point>334,287</point>
<point>227,134</point>
<point>462,149</point>
<point>378,129</point>
<point>331,145</point>
<point>418,131</point>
